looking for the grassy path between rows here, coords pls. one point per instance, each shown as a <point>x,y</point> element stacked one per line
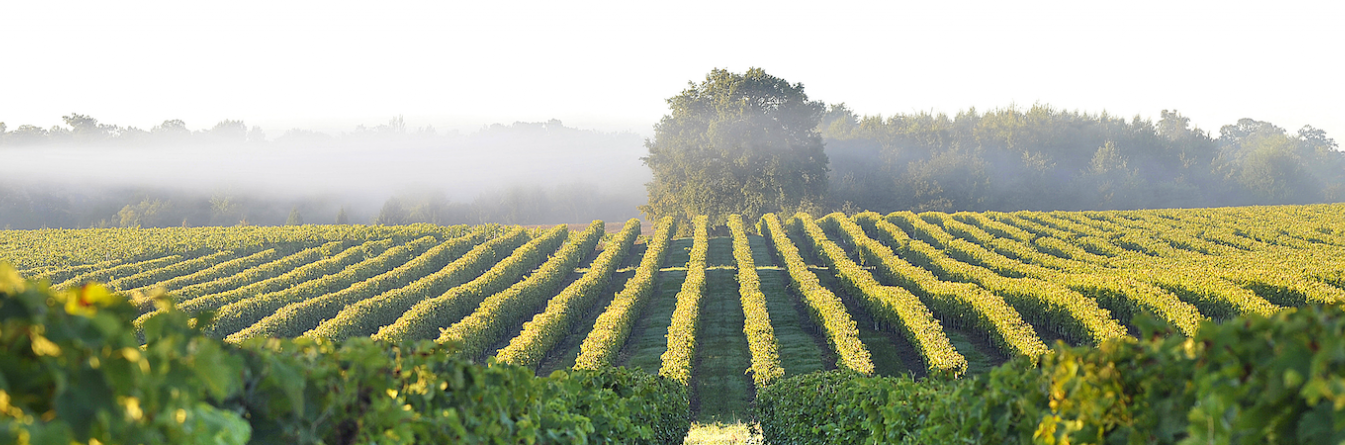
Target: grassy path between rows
<point>648,339</point>
<point>980,353</point>
<point>801,345</point>
<point>721,391</point>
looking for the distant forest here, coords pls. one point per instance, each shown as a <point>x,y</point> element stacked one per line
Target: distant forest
<point>1047,159</point>
<point>1007,159</point>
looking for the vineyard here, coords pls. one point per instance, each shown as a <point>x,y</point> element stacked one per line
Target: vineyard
<point>736,308</point>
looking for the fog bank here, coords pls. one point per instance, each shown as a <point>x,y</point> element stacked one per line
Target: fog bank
<point>483,176</point>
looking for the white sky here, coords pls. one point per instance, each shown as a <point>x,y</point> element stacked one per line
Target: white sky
<point>331,65</point>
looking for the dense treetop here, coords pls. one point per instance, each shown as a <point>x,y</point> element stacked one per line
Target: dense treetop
<point>736,143</point>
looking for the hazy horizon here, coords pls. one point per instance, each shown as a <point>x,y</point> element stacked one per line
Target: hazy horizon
<point>604,70</point>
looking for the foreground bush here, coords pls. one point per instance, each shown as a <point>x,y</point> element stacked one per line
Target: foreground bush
<point>74,370</point>
<point>1252,380</point>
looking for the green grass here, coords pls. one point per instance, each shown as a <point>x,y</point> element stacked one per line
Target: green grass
<point>981,356</point>
<point>722,391</point>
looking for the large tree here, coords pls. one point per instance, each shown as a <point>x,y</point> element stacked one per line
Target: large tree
<point>736,143</point>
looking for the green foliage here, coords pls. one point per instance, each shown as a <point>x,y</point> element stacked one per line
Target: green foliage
<point>736,143</point>
<point>258,273</point>
<point>815,408</point>
<point>1253,380</point>
<point>75,371</point>
<point>626,405</point>
<point>393,213</point>
<point>677,359</point>
<point>362,391</point>
<point>1275,167</point>
<point>57,273</point>
<point>1110,179</point>
<point>1080,275</point>
<point>756,318</point>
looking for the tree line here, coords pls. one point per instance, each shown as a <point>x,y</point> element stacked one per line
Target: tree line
<point>752,143</point>
<point>1042,158</point>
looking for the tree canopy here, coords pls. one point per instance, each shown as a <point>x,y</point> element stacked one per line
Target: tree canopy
<point>736,143</point>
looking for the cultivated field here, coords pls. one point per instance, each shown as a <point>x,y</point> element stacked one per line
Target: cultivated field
<point>724,314</point>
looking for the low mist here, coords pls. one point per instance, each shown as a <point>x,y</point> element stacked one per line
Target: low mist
<point>89,174</point>
<point>523,173</point>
